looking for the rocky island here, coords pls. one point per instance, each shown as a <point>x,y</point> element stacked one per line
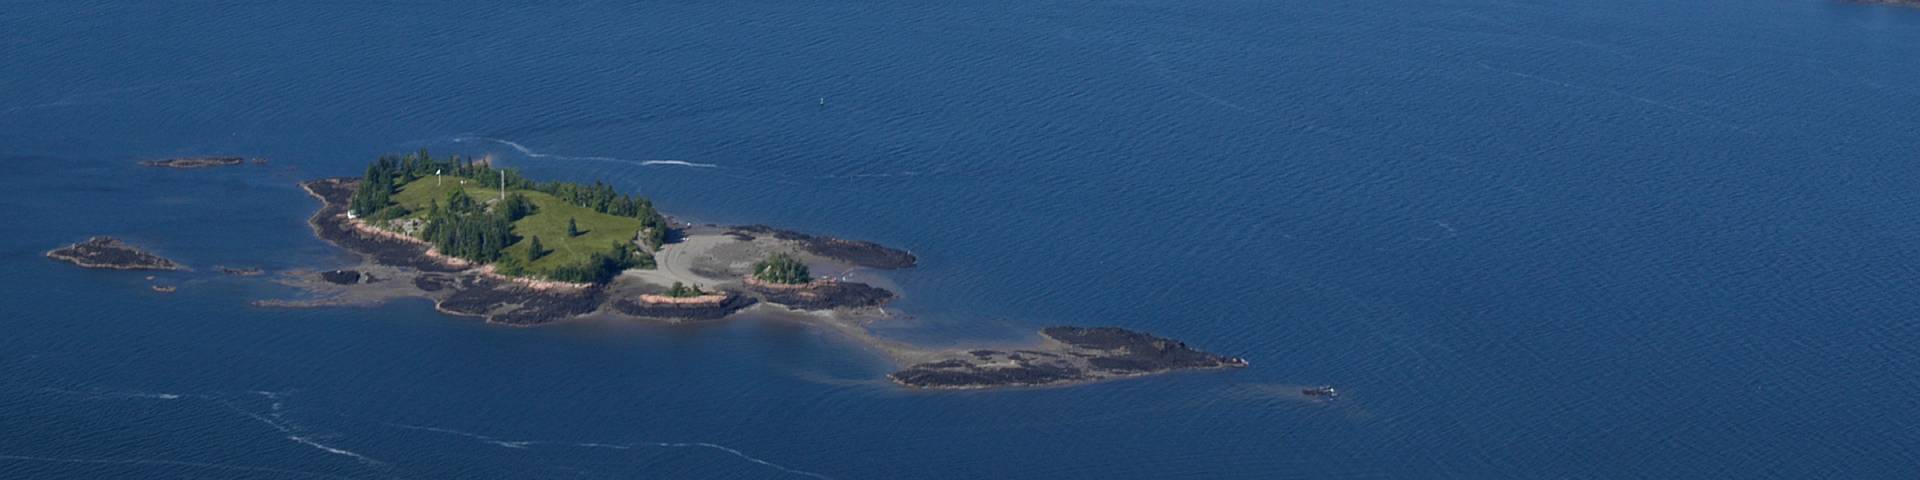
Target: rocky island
<point>1068,354</point>
<point>111,253</point>
<point>194,162</point>
<point>484,242</point>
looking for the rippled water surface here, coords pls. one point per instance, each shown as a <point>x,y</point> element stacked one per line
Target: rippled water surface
<point>1530,240</point>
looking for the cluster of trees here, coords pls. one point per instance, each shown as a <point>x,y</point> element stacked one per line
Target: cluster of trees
<point>386,175</point>
<point>603,265</point>
<point>781,268</point>
<point>376,193</point>
<point>680,290</point>
<point>466,230</point>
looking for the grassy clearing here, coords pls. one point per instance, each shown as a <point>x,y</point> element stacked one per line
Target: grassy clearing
<point>598,231</point>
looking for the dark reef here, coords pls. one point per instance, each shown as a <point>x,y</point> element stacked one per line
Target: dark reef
<point>514,304</point>
<point>826,296</point>
<point>341,277</point>
<point>1091,354</point>
<point>111,253</point>
<point>1136,352</point>
<point>857,252</point>
<point>733,303</point>
<point>240,272</point>
<point>194,162</point>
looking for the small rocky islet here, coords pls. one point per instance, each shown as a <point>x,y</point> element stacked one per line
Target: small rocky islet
<point>1069,354</point>
<point>105,252</point>
<point>186,163</point>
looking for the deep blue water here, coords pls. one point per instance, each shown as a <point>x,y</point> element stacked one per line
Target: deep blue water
<point>1620,239</point>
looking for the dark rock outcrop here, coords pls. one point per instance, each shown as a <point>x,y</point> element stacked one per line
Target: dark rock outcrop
<point>857,252</point>
<point>341,277</point>
<point>514,304</point>
<point>733,303</point>
<point>240,272</point>
<point>825,296</point>
<point>194,162</point>
<point>1089,354</point>
<point>111,253</point>
<point>1129,351</point>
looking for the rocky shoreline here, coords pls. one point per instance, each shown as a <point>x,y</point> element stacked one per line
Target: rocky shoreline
<point>111,253</point>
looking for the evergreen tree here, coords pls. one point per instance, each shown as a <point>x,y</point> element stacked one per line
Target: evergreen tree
<point>782,268</point>
<point>573,230</point>
<point>534,249</point>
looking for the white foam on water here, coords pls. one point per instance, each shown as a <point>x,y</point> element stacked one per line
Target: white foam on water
<point>682,163</point>
<point>530,153</point>
<point>294,432</point>
<point>1620,94</point>
<point>524,444</point>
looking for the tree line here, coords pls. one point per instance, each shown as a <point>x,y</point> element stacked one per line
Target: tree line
<point>385,176</point>
<point>782,268</point>
<point>464,228</point>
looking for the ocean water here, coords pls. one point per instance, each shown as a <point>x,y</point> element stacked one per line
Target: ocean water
<point>1621,239</point>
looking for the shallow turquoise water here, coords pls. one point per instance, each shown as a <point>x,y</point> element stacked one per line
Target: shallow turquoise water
<point>1618,240</point>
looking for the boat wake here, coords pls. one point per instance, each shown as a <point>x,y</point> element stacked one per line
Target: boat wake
<point>525,444</point>
<point>530,153</point>
<point>273,417</point>
<point>1623,95</point>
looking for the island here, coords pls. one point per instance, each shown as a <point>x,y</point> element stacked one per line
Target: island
<point>111,253</point>
<point>1068,354</point>
<point>195,162</point>
<point>486,242</point>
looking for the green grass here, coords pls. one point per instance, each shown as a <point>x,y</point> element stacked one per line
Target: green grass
<point>598,231</point>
